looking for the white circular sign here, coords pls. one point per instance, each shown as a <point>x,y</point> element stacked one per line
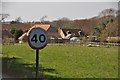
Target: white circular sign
<point>37,38</point>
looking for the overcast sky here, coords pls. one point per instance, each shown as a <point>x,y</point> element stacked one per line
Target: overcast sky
<point>33,11</point>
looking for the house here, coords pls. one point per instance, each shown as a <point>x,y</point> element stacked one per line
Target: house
<point>52,32</point>
<point>68,33</point>
<point>54,35</point>
<point>7,37</point>
<point>71,35</point>
<point>24,36</point>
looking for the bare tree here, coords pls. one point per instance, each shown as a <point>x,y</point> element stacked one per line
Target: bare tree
<point>18,19</point>
<point>3,17</point>
<point>107,12</point>
<point>42,20</point>
<point>64,19</point>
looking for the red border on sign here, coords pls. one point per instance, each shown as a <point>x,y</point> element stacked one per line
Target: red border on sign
<point>33,47</point>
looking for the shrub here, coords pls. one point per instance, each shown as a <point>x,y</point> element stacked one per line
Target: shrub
<point>17,33</point>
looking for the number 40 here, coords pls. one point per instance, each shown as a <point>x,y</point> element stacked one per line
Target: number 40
<point>41,38</point>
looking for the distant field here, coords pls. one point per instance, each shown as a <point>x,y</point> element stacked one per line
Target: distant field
<point>61,61</point>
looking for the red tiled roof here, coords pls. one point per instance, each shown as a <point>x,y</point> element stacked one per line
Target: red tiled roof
<point>44,26</point>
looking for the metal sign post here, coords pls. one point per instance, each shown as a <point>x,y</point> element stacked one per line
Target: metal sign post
<point>37,39</point>
<point>37,62</point>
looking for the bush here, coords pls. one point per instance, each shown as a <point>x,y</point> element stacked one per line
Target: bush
<point>17,33</point>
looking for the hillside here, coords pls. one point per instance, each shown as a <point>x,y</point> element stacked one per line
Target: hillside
<point>23,26</point>
<point>93,26</point>
<point>107,25</point>
<point>112,29</point>
<point>103,25</point>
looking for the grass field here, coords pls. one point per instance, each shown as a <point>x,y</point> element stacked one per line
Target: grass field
<point>61,61</point>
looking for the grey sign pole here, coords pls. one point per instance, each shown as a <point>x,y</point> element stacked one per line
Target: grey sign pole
<point>37,62</point>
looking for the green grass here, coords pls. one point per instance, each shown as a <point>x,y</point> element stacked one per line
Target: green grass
<point>63,61</point>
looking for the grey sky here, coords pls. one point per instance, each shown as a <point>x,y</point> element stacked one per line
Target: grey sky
<point>33,11</point>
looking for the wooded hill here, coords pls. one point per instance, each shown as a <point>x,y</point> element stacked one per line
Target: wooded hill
<point>103,26</point>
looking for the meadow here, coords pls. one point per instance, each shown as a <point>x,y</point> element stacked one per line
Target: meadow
<point>61,61</point>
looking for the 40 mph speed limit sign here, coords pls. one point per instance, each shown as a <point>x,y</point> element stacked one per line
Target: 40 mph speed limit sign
<point>37,38</point>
